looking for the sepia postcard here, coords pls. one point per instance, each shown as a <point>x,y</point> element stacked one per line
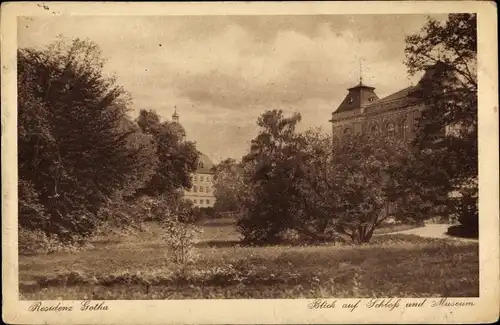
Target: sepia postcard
<point>250,162</point>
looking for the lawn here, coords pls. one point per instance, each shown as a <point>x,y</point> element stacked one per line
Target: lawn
<point>137,267</point>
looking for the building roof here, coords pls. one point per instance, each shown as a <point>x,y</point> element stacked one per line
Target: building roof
<point>402,97</point>
<point>205,164</point>
<point>362,94</point>
<point>358,96</point>
<point>177,127</point>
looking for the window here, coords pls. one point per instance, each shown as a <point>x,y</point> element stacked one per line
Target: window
<point>350,100</point>
<point>374,129</point>
<point>405,130</point>
<point>200,164</point>
<point>201,188</point>
<point>195,189</point>
<point>202,178</point>
<point>207,189</point>
<point>208,201</point>
<point>390,129</point>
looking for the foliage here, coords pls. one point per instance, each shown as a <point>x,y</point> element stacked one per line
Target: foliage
<point>36,242</point>
<point>180,238</point>
<point>75,152</point>
<point>162,208</point>
<point>352,187</point>
<point>178,159</point>
<point>33,242</point>
<point>203,213</point>
<point>300,183</point>
<point>446,162</point>
<point>269,174</point>
<point>228,184</point>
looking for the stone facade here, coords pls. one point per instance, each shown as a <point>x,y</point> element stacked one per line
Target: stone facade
<point>202,192</point>
<point>363,111</point>
<point>394,114</point>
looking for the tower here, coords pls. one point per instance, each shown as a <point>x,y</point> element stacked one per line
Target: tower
<point>178,127</point>
<point>347,118</point>
<point>358,97</point>
<point>175,116</point>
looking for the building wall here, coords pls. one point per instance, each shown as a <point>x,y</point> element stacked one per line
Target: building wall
<point>202,191</point>
<point>401,121</point>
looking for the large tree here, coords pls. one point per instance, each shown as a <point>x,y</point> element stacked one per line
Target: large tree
<point>270,169</point>
<point>352,187</point>
<point>178,159</point>
<point>228,185</point>
<point>75,152</point>
<point>448,160</point>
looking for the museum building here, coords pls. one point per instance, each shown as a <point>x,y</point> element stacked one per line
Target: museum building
<point>363,111</point>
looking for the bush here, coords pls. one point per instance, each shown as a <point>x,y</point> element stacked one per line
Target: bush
<point>32,242</point>
<point>35,242</point>
<point>466,212</point>
<point>180,238</point>
<point>462,231</point>
<point>203,213</point>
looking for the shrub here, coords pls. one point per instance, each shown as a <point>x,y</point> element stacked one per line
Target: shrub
<point>32,242</point>
<point>35,242</point>
<point>180,238</point>
<point>461,231</point>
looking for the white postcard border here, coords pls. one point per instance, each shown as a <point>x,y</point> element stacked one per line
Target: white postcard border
<point>259,311</point>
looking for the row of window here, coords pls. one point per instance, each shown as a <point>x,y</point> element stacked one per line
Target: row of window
<point>202,178</point>
<point>390,129</point>
<point>195,189</point>
<point>201,201</point>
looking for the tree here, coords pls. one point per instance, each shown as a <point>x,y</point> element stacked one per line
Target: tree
<point>448,162</point>
<point>270,169</point>
<point>178,159</point>
<point>350,188</point>
<point>228,184</point>
<point>74,151</point>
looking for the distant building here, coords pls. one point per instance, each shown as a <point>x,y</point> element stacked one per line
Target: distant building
<point>363,111</point>
<point>201,192</point>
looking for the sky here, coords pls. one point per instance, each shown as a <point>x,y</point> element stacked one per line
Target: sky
<point>222,72</point>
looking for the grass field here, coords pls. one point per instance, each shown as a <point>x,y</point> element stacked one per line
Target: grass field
<point>137,267</point>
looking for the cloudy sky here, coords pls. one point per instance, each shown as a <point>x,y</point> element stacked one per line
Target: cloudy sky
<point>222,72</point>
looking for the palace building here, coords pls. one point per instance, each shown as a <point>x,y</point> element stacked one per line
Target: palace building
<point>363,111</point>
<point>201,192</point>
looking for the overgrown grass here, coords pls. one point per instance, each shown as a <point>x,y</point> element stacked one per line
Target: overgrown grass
<point>136,267</point>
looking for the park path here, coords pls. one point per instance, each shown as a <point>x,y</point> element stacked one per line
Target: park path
<point>432,231</point>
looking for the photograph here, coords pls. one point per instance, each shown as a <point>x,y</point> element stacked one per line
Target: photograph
<point>307,157</point>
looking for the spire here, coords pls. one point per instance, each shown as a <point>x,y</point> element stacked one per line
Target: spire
<point>360,72</point>
<point>175,116</point>
<point>359,96</point>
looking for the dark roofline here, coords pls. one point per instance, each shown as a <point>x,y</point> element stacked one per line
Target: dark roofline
<point>361,85</point>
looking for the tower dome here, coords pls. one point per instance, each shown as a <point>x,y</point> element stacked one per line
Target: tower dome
<point>205,164</point>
